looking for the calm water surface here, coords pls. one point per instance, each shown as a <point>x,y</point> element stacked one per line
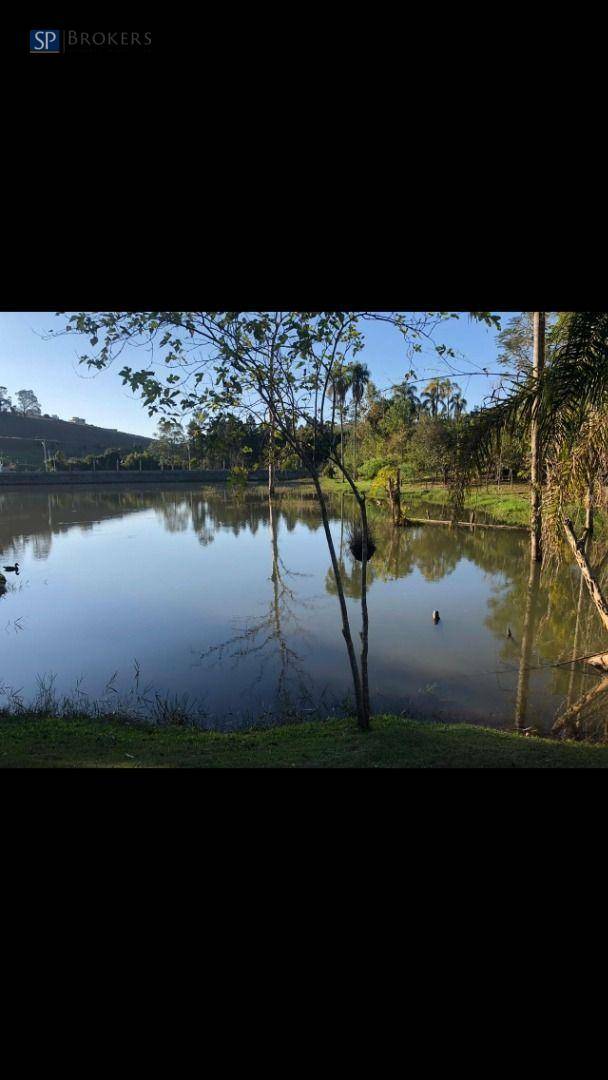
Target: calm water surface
<point>184,590</point>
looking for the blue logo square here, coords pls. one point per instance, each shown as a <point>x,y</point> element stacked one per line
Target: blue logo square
<point>45,41</point>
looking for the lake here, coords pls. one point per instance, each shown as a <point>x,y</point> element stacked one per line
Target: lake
<point>168,592</point>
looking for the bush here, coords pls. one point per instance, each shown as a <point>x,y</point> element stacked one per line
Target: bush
<point>329,471</point>
<point>370,469</point>
<point>409,473</point>
<point>290,461</point>
<point>379,488</point>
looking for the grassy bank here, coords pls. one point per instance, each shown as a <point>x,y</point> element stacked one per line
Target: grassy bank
<point>393,743</point>
<point>507,505</point>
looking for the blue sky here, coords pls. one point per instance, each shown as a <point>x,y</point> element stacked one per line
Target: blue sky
<point>51,370</point>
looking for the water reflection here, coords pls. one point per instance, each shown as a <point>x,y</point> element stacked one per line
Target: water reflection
<point>528,636</point>
<point>247,584</point>
<point>584,712</point>
<point>531,617</point>
<point>39,515</point>
<point>268,638</point>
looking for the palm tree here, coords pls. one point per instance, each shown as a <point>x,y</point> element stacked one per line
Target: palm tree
<point>446,391</point>
<point>406,393</point>
<point>359,379</point>
<point>538,364</point>
<point>338,390</point>
<point>565,409</point>
<point>431,396</point>
<point>459,403</point>
<point>451,395</point>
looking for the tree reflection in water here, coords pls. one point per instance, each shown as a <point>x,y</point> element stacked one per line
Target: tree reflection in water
<point>527,641</point>
<point>552,622</point>
<point>545,621</point>
<point>268,637</point>
<point>586,715</point>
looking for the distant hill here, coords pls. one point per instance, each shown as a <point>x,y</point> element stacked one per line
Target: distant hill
<point>76,440</point>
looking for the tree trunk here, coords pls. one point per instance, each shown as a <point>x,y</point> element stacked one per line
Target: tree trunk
<point>314,446</point>
<point>271,460</point>
<point>271,445</point>
<point>523,682</point>
<point>569,721</point>
<point>342,439</point>
<point>535,450</point>
<point>588,514</point>
<point>579,608</point>
<point>364,615</point>
<point>362,714</point>
<point>578,550</point>
<point>394,494</point>
<point>392,500</point>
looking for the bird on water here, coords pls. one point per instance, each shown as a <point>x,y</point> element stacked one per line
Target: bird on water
<point>12,569</point>
<point>435,617</point>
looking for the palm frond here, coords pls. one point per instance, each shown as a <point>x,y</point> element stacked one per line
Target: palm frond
<point>575,383</point>
<point>578,376</point>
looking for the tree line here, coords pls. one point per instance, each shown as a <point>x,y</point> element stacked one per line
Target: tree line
<point>27,403</point>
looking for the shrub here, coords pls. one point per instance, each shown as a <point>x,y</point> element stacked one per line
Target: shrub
<point>290,461</point>
<point>409,473</point>
<point>379,487</point>
<point>370,469</point>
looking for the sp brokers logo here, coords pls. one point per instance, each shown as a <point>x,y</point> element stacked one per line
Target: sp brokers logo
<point>45,41</point>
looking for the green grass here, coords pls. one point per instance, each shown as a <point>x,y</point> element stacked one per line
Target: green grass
<point>507,505</point>
<point>337,486</point>
<point>27,742</point>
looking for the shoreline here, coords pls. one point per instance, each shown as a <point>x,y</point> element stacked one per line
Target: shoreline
<point>135,477</point>
<point>506,507</point>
